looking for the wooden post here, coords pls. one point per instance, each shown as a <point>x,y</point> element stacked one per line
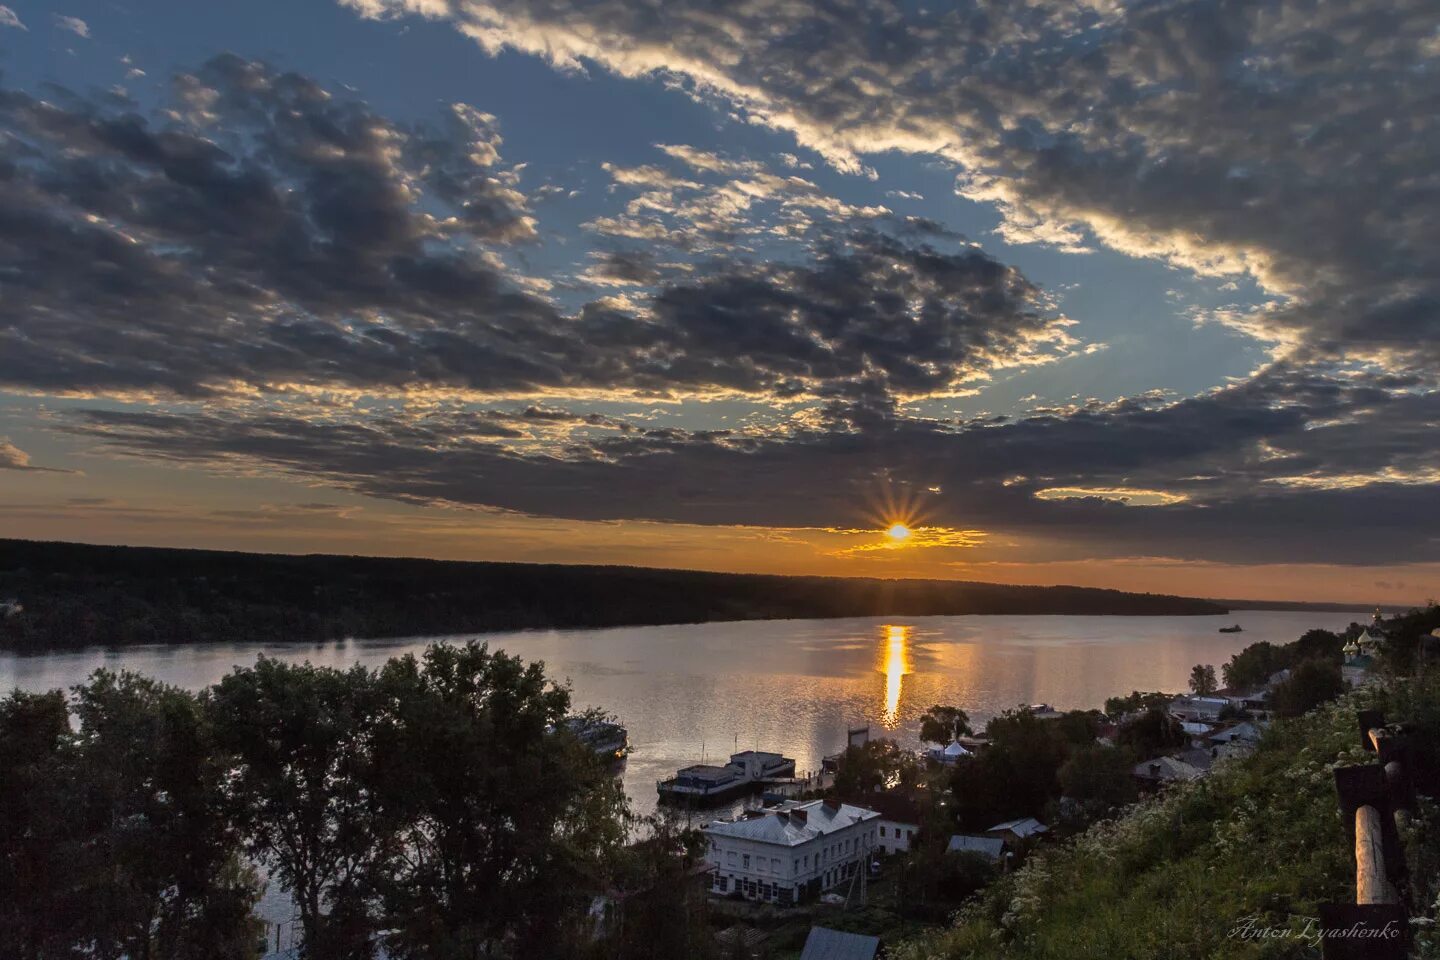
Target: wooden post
<point>1371,884</point>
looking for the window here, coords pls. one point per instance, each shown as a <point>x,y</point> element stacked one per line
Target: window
<point>774,865</point>
<point>746,863</point>
<point>882,831</point>
<point>732,858</point>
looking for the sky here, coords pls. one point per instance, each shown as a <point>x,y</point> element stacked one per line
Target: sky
<point>1140,295</point>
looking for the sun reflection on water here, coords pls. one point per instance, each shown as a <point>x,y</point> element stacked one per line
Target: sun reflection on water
<point>895,665</point>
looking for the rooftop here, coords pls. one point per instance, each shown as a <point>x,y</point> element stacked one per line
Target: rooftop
<point>793,824</point>
<point>826,944</point>
<point>990,847</point>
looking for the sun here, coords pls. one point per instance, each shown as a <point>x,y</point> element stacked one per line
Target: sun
<point>898,532</point>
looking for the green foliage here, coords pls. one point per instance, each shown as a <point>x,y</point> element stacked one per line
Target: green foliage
<point>1310,684</point>
<point>1179,874</point>
<point>1150,734</point>
<point>1136,701</point>
<point>873,765</point>
<point>943,725</point>
<point>116,844</point>
<point>299,741</point>
<point>1099,773</point>
<point>498,827</point>
<point>1251,667</point>
<point>432,808</point>
<point>1018,774</point>
<point>658,903</point>
<point>1202,680</point>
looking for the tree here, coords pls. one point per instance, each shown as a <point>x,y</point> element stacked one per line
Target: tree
<point>1136,701</point>
<point>1151,734</point>
<point>1202,680</point>
<point>40,912</point>
<point>1254,665</point>
<point>1097,772</point>
<point>874,765</point>
<point>300,739</point>
<point>168,882</point>
<point>500,827</point>
<point>659,903</point>
<point>1310,684</point>
<point>944,725</point>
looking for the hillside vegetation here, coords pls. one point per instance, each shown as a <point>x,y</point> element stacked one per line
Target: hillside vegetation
<point>80,595</point>
<point>1256,845</point>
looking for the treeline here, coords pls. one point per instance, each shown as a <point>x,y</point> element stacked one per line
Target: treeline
<point>76,595</point>
<point>430,809</point>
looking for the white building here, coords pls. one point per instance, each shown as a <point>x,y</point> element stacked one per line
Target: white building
<point>792,853</point>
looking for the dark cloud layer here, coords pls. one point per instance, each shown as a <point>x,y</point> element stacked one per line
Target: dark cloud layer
<point>269,234</point>
<point>1259,463</point>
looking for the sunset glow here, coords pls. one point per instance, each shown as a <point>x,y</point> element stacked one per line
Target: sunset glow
<point>896,664</point>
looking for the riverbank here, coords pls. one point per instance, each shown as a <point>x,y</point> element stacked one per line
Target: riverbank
<point>70,595</point>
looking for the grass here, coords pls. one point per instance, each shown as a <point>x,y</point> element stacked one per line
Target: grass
<point>1260,841</point>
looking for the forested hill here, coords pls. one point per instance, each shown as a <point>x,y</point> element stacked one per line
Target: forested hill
<point>80,594</point>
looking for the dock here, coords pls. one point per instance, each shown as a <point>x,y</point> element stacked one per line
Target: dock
<point>747,772</point>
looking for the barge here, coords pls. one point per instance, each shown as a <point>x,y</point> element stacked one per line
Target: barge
<point>746,773</point>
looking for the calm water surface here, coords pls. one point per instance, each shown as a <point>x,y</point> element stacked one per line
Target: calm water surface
<point>693,691</point>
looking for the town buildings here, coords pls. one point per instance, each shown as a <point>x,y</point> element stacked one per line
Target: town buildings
<point>791,853</point>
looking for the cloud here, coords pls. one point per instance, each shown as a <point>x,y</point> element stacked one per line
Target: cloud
<point>8,18</point>
<point>1274,139</point>
<point>13,458</point>
<point>268,236</point>
<point>1211,456</point>
<point>73,24</point>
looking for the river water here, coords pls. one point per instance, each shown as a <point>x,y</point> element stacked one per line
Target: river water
<point>794,686</point>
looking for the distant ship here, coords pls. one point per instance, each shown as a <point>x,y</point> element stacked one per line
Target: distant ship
<point>1235,629</point>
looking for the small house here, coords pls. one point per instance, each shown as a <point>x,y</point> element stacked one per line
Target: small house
<point>1015,830</point>
<point>1163,770</point>
<point>826,944</point>
<point>991,848</point>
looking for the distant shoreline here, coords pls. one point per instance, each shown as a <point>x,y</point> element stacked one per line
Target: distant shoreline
<point>81,595</point>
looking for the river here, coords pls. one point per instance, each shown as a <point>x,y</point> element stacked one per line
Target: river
<point>704,690</point>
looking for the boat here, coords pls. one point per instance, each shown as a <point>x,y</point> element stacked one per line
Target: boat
<point>1235,629</point>
<point>609,741</point>
<point>747,772</point>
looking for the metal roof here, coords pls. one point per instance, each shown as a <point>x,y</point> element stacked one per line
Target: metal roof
<point>783,827</point>
<point>826,944</point>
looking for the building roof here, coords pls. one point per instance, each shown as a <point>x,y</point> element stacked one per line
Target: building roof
<point>1166,768</point>
<point>793,824</point>
<point>1244,730</point>
<point>892,806</point>
<point>989,847</point>
<point>1024,827</point>
<point>826,944</point>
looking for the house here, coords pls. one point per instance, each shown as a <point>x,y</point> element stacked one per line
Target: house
<point>1164,770</point>
<point>1196,709</point>
<point>796,851</point>
<point>1244,730</point>
<point>991,848</point>
<point>826,944</point>
<point>1014,830</point>
<point>899,819</point>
